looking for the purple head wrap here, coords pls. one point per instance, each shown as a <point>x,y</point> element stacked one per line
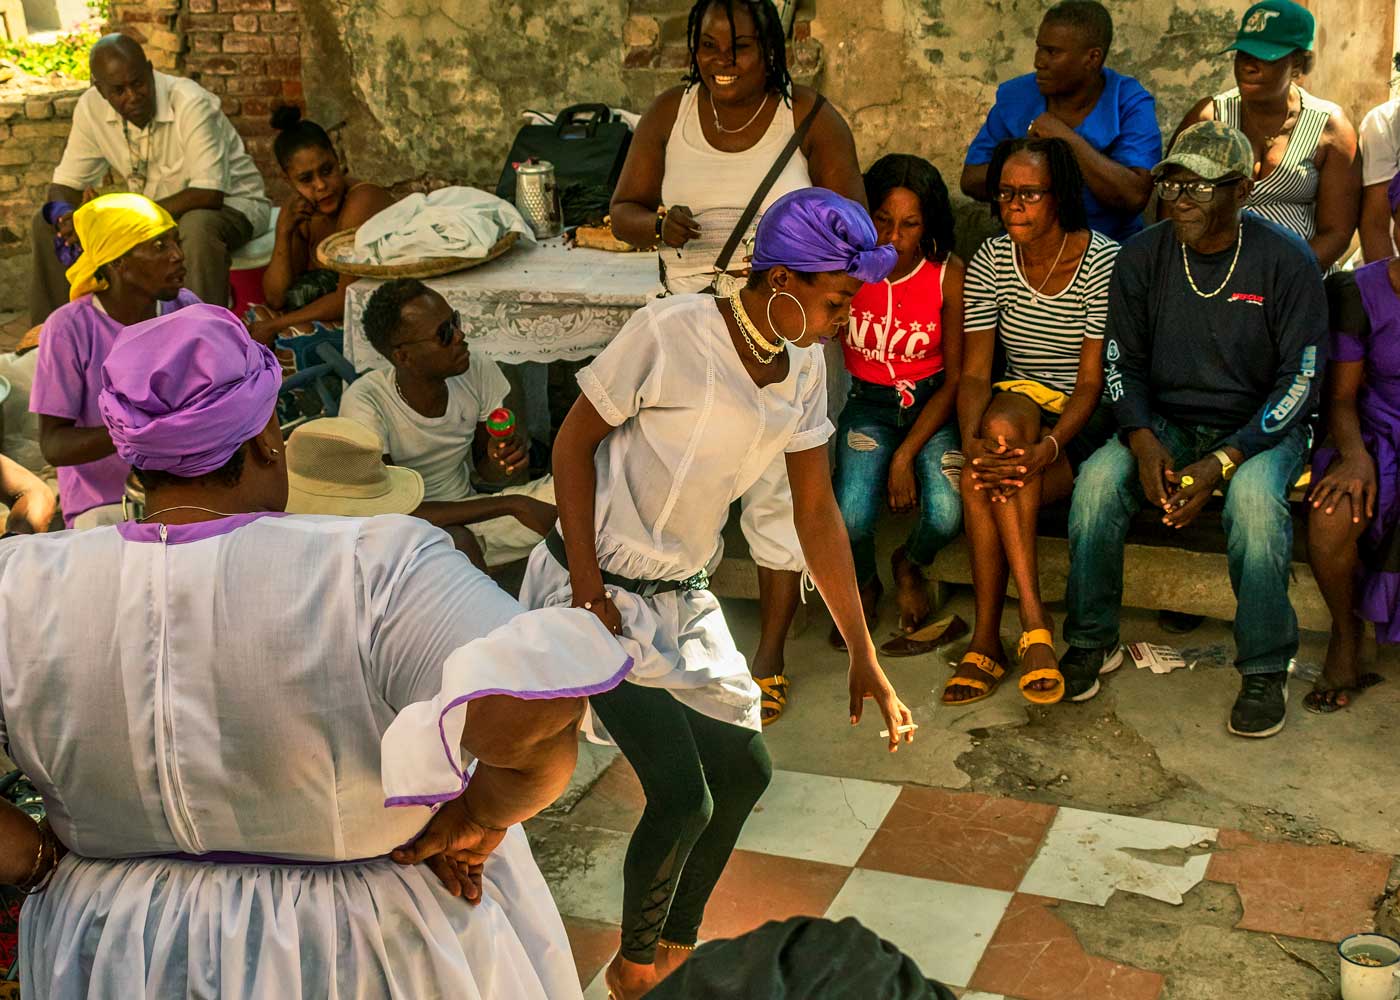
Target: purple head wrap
<point>1393,193</point>
<point>181,393</point>
<point>818,230</point>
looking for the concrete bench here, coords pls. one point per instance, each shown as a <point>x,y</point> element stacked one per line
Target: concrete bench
<point>1163,569</point>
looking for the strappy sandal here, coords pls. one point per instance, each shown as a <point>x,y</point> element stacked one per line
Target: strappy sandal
<point>1052,696</point>
<point>774,700</point>
<point>1323,700</point>
<point>926,638</point>
<point>984,665</point>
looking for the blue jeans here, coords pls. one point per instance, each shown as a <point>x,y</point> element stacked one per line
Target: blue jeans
<point>1258,537</point>
<point>870,428</point>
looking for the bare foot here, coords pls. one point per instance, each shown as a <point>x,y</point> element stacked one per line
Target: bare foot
<point>1040,657</point>
<point>630,980</point>
<point>955,693</point>
<point>911,592</point>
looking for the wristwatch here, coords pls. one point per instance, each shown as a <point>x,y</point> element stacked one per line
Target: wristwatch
<point>1227,464</point>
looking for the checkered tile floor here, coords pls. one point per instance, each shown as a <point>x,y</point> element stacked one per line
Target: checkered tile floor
<point>966,884</point>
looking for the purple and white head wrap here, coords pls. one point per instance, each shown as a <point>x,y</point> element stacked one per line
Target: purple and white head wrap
<point>181,393</point>
<point>818,230</point>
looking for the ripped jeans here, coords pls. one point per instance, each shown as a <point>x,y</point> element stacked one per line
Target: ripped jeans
<point>870,428</point>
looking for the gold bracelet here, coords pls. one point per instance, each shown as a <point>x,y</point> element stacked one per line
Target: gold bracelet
<point>34,868</point>
<point>46,840</point>
<point>676,947</point>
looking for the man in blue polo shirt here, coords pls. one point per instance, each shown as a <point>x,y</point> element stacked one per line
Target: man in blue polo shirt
<point>1109,120</point>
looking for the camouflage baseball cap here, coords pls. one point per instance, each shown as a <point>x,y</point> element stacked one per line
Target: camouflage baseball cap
<point>1212,150</point>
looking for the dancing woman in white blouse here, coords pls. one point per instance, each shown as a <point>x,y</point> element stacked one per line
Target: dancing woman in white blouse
<point>238,718</point>
<point>678,417</point>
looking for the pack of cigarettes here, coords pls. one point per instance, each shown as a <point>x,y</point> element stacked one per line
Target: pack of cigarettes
<point>1158,659</point>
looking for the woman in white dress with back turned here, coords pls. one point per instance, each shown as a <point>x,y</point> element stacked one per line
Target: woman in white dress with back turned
<point>236,718</point>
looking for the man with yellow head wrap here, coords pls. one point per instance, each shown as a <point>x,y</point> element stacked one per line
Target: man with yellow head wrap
<point>131,269</point>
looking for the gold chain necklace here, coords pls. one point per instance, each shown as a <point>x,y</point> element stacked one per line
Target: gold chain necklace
<point>735,131</point>
<point>1186,263</point>
<point>752,337</point>
<point>1035,292</point>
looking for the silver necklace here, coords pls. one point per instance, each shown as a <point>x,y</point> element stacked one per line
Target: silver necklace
<point>1186,263</point>
<point>1035,292</point>
<point>735,131</point>
<point>183,506</point>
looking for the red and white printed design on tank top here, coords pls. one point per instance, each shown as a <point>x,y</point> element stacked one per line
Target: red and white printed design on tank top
<point>895,336</point>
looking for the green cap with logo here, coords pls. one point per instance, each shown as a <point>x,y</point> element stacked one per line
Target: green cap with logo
<point>1212,150</point>
<point>1272,29</point>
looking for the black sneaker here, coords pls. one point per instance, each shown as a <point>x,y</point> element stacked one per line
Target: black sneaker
<point>1259,709</point>
<point>1082,669</point>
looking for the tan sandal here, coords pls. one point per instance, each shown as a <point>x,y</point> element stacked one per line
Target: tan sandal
<point>1050,696</point>
<point>774,700</point>
<point>983,664</point>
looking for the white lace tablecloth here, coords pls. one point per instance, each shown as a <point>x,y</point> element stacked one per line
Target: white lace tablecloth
<point>537,303</point>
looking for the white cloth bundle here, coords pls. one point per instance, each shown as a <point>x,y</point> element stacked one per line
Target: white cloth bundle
<point>452,222</point>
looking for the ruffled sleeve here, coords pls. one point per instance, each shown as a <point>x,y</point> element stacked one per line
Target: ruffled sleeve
<point>549,653</point>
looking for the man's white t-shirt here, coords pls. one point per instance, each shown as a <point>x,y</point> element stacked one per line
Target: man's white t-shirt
<point>1380,144</point>
<point>438,448</point>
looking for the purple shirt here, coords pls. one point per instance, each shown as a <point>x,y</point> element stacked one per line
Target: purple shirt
<point>67,378</point>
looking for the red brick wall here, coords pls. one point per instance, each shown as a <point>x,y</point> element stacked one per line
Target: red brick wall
<point>246,51</point>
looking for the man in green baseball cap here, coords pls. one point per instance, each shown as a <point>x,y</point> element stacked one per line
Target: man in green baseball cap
<point>1273,29</point>
<point>1213,353</point>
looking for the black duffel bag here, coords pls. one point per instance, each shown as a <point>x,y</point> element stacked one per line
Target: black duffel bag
<point>587,145</point>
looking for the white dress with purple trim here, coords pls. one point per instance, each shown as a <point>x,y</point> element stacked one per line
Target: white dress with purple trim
<point>692,432</point>
<point>233,722</point>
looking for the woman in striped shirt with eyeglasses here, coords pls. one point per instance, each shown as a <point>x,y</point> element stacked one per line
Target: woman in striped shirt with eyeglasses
<point>1039,293</point>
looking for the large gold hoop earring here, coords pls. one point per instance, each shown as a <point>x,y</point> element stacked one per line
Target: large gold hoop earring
<point>768,315</point>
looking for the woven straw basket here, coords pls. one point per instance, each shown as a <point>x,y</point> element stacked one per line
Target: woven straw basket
<point>335,251</point>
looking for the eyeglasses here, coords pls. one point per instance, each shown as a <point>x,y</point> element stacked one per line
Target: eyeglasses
<point>1201,192</point>
<point>1028,195</point>
<point>445,333</point>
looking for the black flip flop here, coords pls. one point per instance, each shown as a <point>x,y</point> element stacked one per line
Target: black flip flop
<point>1323,701</point>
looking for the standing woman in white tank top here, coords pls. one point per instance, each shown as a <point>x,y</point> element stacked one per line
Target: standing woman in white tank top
<point>701,150</point>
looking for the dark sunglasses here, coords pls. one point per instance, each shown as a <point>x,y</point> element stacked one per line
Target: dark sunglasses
<point>445,333</point>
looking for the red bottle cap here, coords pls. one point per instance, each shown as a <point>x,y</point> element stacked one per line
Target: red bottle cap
<point>500,422</point>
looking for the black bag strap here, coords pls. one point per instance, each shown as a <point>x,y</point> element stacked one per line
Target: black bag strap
<point>766,185</point>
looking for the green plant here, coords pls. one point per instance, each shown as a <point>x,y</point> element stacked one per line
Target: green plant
<point>66,55</point>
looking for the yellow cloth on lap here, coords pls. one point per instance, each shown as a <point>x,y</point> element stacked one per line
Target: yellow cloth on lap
<point>108,227</point>
<point>1042,396</point>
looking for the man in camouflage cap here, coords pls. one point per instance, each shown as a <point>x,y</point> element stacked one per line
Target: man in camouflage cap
<point>1217,324</point>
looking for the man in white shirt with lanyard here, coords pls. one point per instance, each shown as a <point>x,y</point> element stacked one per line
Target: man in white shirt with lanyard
<point>168,139</point>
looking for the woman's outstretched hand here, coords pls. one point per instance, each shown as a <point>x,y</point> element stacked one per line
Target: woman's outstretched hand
<point>868,680</point>
<point>455,847</point>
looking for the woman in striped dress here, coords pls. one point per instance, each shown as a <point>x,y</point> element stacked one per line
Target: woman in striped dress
<point>1306,170</point>
<point>1040,293</point>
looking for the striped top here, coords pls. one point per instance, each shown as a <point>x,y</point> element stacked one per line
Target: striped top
<point>1041,336</point>
<point>1288,195</point>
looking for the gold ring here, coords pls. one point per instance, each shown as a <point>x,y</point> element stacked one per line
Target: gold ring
<point>1188,481</point>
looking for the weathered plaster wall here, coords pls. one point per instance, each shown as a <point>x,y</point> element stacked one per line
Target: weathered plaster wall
<point>436,87</point>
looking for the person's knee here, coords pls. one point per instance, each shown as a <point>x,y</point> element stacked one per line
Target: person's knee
<point>683,802</point>
<point>1103,491</point>
<point>200,228</point>
<point>1256,504</point>
<point>40,230</point>
<point>746,780</point>
<point>1004,425</point>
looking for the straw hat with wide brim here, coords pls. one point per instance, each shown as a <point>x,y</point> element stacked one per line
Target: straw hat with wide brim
<point>336,466</point>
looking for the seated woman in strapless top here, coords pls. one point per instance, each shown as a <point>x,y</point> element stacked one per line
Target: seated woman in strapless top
<point>324,200</point>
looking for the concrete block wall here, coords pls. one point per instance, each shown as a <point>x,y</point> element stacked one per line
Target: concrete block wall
<point>248,52</point>
<point>34,124</point>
